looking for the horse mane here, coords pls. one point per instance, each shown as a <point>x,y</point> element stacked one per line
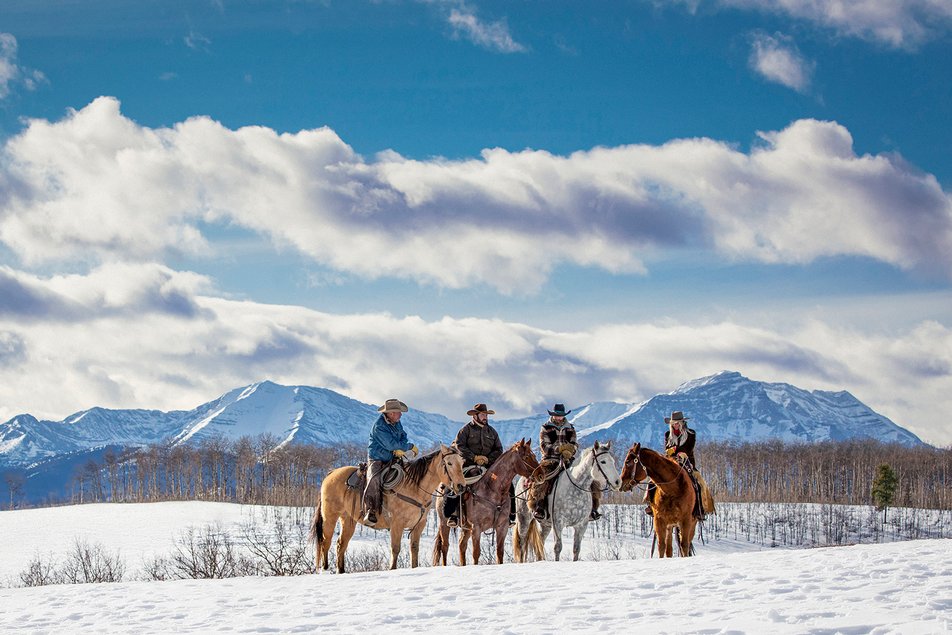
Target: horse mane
<point>416,470</point>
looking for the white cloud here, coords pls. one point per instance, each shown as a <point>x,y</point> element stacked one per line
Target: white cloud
<point>461,16</point>
<point>196,41</point>
<point>494,36</point>
<point>896,23</point>
<point>11,73</point>
<point>777,59</point>
<point>127,345</point>
<point>98,185</point>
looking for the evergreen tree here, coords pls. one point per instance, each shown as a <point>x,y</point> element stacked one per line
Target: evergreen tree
<point>884,488</point>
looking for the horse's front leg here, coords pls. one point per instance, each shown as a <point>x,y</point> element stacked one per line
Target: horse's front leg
<point>464,535</point>
<point>415,543</point>
<point>662,534</point>
<point>577,543</point>
<point>396,535</point>
<point>502,530</point>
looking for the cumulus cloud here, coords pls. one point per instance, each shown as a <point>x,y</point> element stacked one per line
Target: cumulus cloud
<point>135,352</point>
<point>11,72</point>
<point>97,184</point>
<point>895,23</point>
<point>776,58</point>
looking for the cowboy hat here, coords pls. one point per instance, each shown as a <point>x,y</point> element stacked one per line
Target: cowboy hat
<point>677,415</point>
<point>393,405</point>
<point>558,411</point>
<point>480,407</point>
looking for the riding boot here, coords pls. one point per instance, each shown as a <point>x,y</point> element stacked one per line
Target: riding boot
<point>596,499</point>
<point>451,509</point>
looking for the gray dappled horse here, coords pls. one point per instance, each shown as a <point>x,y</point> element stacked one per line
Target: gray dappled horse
<point>570,503</point>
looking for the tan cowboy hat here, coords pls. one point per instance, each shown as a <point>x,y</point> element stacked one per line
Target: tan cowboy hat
<point>677,415</point>
<point>393,405</point>
<point>480,407</point>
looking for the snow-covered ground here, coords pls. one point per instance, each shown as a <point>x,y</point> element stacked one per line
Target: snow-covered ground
<point>731,587</point>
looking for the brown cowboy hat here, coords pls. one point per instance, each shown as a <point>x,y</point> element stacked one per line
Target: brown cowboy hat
<point>480,407</point>
<point>677,415</point>
<point>393,405</point>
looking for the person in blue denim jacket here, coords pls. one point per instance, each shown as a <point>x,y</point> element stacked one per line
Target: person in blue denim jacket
<point>388,442</point>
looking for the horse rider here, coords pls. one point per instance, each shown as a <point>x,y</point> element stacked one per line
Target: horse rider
<point>679,442</point>
<point>559,445</point>
<point>388,442</point>
<point>479,444</point>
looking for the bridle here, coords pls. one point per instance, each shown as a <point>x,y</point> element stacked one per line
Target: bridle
<point>595,456</point>
<point>637,460</point>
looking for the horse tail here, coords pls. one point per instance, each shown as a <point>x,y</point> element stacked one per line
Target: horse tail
<point>316,534</point>
<point>534,536</point>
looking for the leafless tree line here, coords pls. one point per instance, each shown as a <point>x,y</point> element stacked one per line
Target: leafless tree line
<point>261,471</point>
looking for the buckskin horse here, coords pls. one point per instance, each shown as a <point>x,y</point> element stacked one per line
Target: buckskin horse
<point>570,503</point>
<point>406,507</point>
<point>674,498</point>
<point>486,505</point>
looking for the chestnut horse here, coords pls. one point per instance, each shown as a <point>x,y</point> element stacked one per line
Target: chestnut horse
<point>406,507</point>
<point>673,502</point>
<point>486,505</point>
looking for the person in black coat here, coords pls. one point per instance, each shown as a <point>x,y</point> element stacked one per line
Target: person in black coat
<point>479,444</point>
<point>679,442</point>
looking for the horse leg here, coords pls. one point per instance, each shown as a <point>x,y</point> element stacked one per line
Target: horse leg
<point>415,544</point>
<point>502,530</point>
<point>558,540</point>
<point>687,538</point>
<point>328,525</point>
<point>476,537</point>
<point>347,526</point>
<point>577,544</point>
<point>441,545</point>
<point>396,535</point>
<point>662,533</point>
<point>463,537</point>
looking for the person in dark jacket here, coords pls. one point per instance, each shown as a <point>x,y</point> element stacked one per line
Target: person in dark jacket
<point>679,442</point>
<point>559,445</point>
<point>479,444</point>
<point>388,442</point>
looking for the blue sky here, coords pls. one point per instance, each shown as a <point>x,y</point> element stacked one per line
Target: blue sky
<point>519,202</point>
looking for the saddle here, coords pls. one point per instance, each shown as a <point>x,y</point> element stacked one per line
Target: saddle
<point>703,500</point>
<point>392,477</point>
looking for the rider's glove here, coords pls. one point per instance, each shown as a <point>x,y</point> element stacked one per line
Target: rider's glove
<point>481,460</point>
<point>398,454</point>
<point>670,451</point>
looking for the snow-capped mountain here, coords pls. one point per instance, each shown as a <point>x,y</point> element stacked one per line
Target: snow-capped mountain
<point>725,406</point>
<point>730,407</point>
<point>292,414</point>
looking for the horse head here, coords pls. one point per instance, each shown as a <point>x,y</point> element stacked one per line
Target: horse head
<point>604,469</point>
<point>527,463</point>
<point>633,471</point>
<point>452,462</point>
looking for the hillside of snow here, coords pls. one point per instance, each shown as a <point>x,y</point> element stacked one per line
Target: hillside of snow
<point>898,587</point>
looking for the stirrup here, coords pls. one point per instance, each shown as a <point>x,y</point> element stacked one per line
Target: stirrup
<point>594,515</point>
<point>452,521</point>
<point>512,520</point>
<point>539,514</point>
<point>370,518</point>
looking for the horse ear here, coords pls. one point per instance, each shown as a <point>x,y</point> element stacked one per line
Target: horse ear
<point>596,446</point>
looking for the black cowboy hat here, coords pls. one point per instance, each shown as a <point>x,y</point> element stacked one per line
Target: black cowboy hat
<point>677,415</point>
<point>558,411</point>
<point>480,407</point>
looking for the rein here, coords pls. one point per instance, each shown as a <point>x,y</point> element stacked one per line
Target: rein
<point>676,476</point>
<point>412,501</point>
<point>568,473</point>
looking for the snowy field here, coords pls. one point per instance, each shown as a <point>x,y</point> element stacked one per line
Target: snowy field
<point>731,587</point>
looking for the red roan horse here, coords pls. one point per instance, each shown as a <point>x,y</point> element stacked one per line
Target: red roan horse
<point>486,505</point>
<point>673,503</point>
